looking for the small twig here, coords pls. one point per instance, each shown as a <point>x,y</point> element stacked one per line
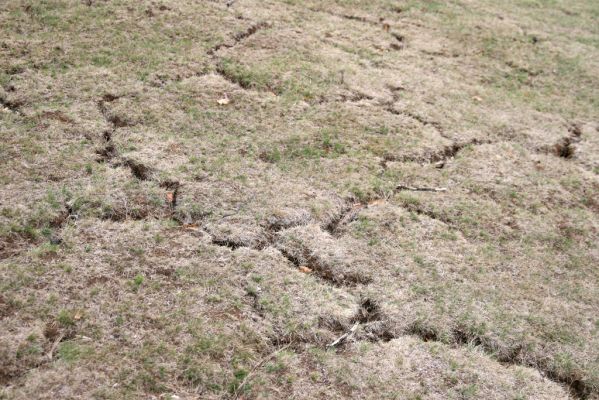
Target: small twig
<point>343,338</point>
<point>421,189</point>
<point>54,345</point>
<point>265,359</point>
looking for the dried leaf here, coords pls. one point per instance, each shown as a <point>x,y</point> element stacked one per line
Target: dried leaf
<point>376,202</point>
<point>191,227</point>
<point>170,197</point>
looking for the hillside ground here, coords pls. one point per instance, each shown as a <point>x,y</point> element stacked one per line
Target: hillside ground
<point>299,199</point>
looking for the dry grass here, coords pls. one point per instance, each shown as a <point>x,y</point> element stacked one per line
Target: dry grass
<point>199,196</point>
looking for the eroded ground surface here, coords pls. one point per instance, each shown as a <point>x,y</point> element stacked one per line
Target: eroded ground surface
<point>198,197</point>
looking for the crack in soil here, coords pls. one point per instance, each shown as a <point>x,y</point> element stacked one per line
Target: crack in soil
<point>109,152</point>
<point>233,79</point>
<point>119,216</point>
<point>67,214</point>
<point>452,150</point>
<point>231,244</point>
<point>322,269</point>
<point>422,120</point>
<point>461,337</point>
<point>565,147</point>
<point>438,157</point>
<point>347,215</point>
<point>115,120</point>
<point>388,106</point>
<point>107,98</point>
<point>306,258</point>
<point>368,311</point>
<point>349,17</point>
<point>400,41</point>
<point>238,37</point>
<point>374,325</point>
<point>351,212</point>
<point>369,315</point>
<point>353,97</point>
<point>276,226</point>
<point>53,335</point>
<point>13,106</point>
<point>428,213</point>
<point>138,169</point>
<point>173,195</point>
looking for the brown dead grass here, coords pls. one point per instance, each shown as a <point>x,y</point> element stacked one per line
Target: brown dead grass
<point>198,198</point>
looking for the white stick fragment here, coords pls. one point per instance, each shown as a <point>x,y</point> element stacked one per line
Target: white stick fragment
<point>421,189</point>
<point>345,336</point>
<point>54,345</point>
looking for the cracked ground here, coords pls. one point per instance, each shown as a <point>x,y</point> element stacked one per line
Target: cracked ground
<point>307,199</point>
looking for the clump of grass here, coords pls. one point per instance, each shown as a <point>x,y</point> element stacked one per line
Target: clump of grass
<point>136,283</point>
<point>65,318</point>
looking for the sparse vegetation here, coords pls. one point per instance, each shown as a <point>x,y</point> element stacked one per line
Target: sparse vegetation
<point>200,198</point>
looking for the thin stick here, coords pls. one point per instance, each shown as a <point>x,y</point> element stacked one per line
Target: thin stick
<point>421,189</point>
<point>265,359</point>
<point>345,336</point>
<point>54,345</point>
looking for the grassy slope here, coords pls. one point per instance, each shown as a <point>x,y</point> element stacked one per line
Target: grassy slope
<point>198,198</point>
